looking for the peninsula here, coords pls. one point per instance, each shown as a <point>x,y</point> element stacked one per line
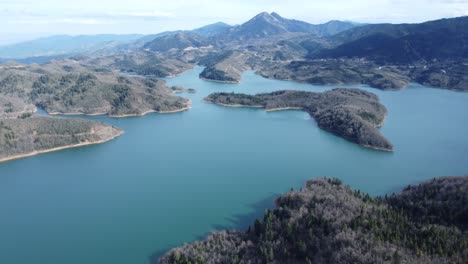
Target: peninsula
<point>25,137</point>
<point>352,114</point>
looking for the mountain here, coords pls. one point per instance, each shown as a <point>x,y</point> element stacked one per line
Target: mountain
<point>63,44</point>
<point>445,39</point>
<point>180,40</point>
<point>212,29</point>
<point>334,27</point>
<point>328,222</point>
<point>327,29</point>
<point>265,24</point>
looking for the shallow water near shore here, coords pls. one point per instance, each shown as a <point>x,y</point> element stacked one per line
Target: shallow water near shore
<point>172,178</point>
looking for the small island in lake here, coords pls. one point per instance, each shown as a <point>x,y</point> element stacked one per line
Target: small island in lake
<point>178,89</point>
<point>352,114</point>
<point>328,222</point>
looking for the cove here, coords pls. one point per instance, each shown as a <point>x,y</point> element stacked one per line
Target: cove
<point>172,178</point>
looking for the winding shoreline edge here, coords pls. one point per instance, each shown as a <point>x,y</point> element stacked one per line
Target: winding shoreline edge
<point>82,144</point>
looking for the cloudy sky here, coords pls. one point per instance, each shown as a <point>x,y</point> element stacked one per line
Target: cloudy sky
<point>26,19</point>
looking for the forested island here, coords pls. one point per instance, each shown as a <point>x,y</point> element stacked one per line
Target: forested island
<point>29,136</point>
<point>328,222</point>
<point>352,114</point>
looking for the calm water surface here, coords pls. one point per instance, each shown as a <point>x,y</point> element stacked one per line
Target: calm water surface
<point>172,178</point>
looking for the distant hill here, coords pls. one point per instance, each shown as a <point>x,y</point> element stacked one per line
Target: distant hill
<point>37,59</point>
<point>265,24</point>
<point>180,40</point>
<point>205,31</point>
<point>445,39</point>
<point>63,44</point>
<point>212,29</point>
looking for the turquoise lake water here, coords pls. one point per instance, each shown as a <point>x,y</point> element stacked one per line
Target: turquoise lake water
<point>173,178</point>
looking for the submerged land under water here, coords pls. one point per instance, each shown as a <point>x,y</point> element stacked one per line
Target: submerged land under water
<point>172,178</point>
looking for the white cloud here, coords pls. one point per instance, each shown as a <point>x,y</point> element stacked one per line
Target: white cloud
<point>79,21</point>
<point>143,14</point>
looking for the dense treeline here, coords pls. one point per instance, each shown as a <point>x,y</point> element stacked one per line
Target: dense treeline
<point>214,74</point>
<point>24,136</point>
<point>332,71</point>
<point>327,222</point>
<point>350,113</point>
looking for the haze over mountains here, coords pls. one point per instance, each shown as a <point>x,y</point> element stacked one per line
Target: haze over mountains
<point>393,43</point>
<point>262,25</point>
<point>63,45</point>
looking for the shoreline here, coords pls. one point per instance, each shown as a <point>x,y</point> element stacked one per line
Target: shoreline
<point>218,81</point>
<point>234,105</point>
<point>256,106</point>
<point>82,144</point>
<point>76,113</point>
<point>283,109</point>
<point>188,107</point>
<point>177,74</point>
<point>376,148</point>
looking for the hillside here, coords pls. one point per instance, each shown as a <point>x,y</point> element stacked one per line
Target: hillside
<point>69,87</point>
<point>25,137</point>
<point>336,72</point>
<point>144,63</point>
<point>328,222</point>
<point>180,40</point>
<point>445,39</point>
<point>349,113</point>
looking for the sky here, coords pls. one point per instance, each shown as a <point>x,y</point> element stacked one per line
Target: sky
<point>28,19</point>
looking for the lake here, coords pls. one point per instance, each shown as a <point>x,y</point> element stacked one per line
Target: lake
<point>173,178</point>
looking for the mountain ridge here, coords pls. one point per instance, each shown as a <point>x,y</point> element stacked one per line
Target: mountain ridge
<point>443,39</point>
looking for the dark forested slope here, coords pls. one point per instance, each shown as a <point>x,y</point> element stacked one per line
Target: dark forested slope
<point>445,39</point>
<point>328,222</point>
